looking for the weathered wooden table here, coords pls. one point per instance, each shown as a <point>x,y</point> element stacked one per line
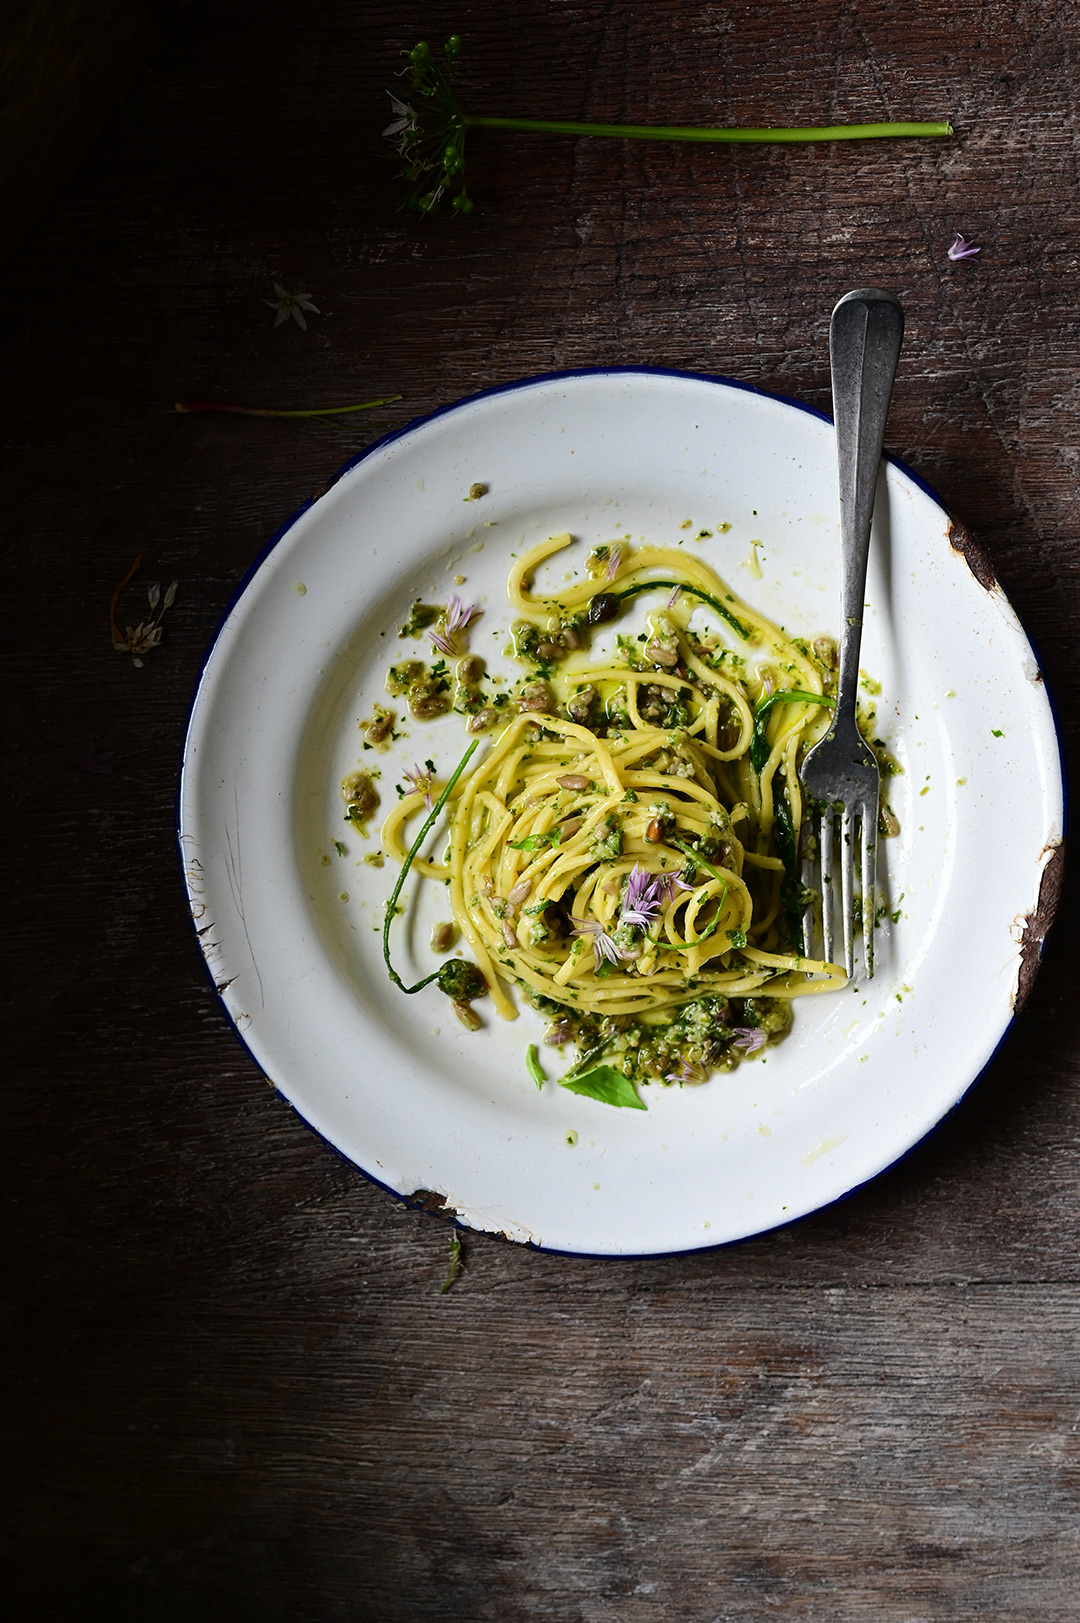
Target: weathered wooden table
<point>236,1390</point>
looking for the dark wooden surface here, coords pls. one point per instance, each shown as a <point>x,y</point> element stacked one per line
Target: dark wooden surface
<point>234,1389</point>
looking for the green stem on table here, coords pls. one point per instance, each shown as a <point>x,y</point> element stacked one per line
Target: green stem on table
<point>259,411</point>
<point>429,131</point>
<point>391,906</point>
<point>678,132</point>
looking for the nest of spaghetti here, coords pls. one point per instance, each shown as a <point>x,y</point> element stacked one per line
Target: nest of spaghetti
<point>626,855</point>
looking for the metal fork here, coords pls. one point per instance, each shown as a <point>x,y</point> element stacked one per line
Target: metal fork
<point>839,774</point>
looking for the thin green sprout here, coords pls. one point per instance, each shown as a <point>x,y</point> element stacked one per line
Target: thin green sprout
<point>691,591</point>
<point>759,744</point>
<point>683,132</point>
<point>391,905</point>
<point>259,411</point>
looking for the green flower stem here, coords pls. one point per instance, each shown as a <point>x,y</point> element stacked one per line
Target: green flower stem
<point>697,858</point>
<point>259,411</point>
<point>391,906</point>
<point>759,743</point>
<point>676,132</point>
<point>699,861</point>
<point>691,591</point>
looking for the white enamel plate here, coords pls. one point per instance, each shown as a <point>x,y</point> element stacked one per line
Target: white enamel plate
<point>290,924</point>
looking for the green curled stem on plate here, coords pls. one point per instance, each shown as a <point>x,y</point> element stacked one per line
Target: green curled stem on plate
<point>759,744</point>
<point>696,857</point>
<point>391,906</point>
<point>606,605</point>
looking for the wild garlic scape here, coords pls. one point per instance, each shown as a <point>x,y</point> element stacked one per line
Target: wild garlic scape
<point>428,131</point>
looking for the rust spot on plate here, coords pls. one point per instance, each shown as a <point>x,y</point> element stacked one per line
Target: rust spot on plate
<point>1037,924</point>
<point>426,1200</point>
<point>974,554</point>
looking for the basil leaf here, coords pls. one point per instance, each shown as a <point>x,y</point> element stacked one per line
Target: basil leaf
<point>534,842</point>
<point>607,1085</point>
<point>532,1065</point>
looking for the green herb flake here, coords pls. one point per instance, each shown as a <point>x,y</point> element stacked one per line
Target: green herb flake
<point>455,1260</point>
<point>532,1065</point>
<point>536,842</point>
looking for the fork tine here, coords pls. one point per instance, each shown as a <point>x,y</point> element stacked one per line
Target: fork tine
<point>847,886</point>
<point>808,874</point>
<point>825,854</point>
<point>868,851</point>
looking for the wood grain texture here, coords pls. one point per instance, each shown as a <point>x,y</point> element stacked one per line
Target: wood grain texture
<point>234,1388</point>
<point>64,66</point>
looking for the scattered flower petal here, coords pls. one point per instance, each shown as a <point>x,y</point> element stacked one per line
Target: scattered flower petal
<point>422,782</point>
<point>670,883</point>
<point>458,614</point>
<point>138,640</point>
<point>674,598</point>
<point>291,304</point>
<point>962,247</point>
<point>750,1040</point>
<point>442,643</point>
<point>603,946</point>
<point>613,563</point>
<point>687,1073</point>
<point>404,116</point>
<point>96,759</point>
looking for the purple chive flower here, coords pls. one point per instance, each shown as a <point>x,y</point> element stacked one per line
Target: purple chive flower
<point>455,619</point>
<point>687,1073</point>
<point>603,946</point>
<point>962,247</point>
<point>458,614</point>
<point>422,782</point>
<point>644,894</point>
<point>674,598</point>
<point>96,759</point>
<point>670,883</point>
<point>613,563</point>
<point>749,1040</point>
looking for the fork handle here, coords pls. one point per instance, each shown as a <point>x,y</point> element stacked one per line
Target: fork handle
<point>865,334</point>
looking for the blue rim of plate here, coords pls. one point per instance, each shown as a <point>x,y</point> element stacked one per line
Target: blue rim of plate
<point>518,384</point>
